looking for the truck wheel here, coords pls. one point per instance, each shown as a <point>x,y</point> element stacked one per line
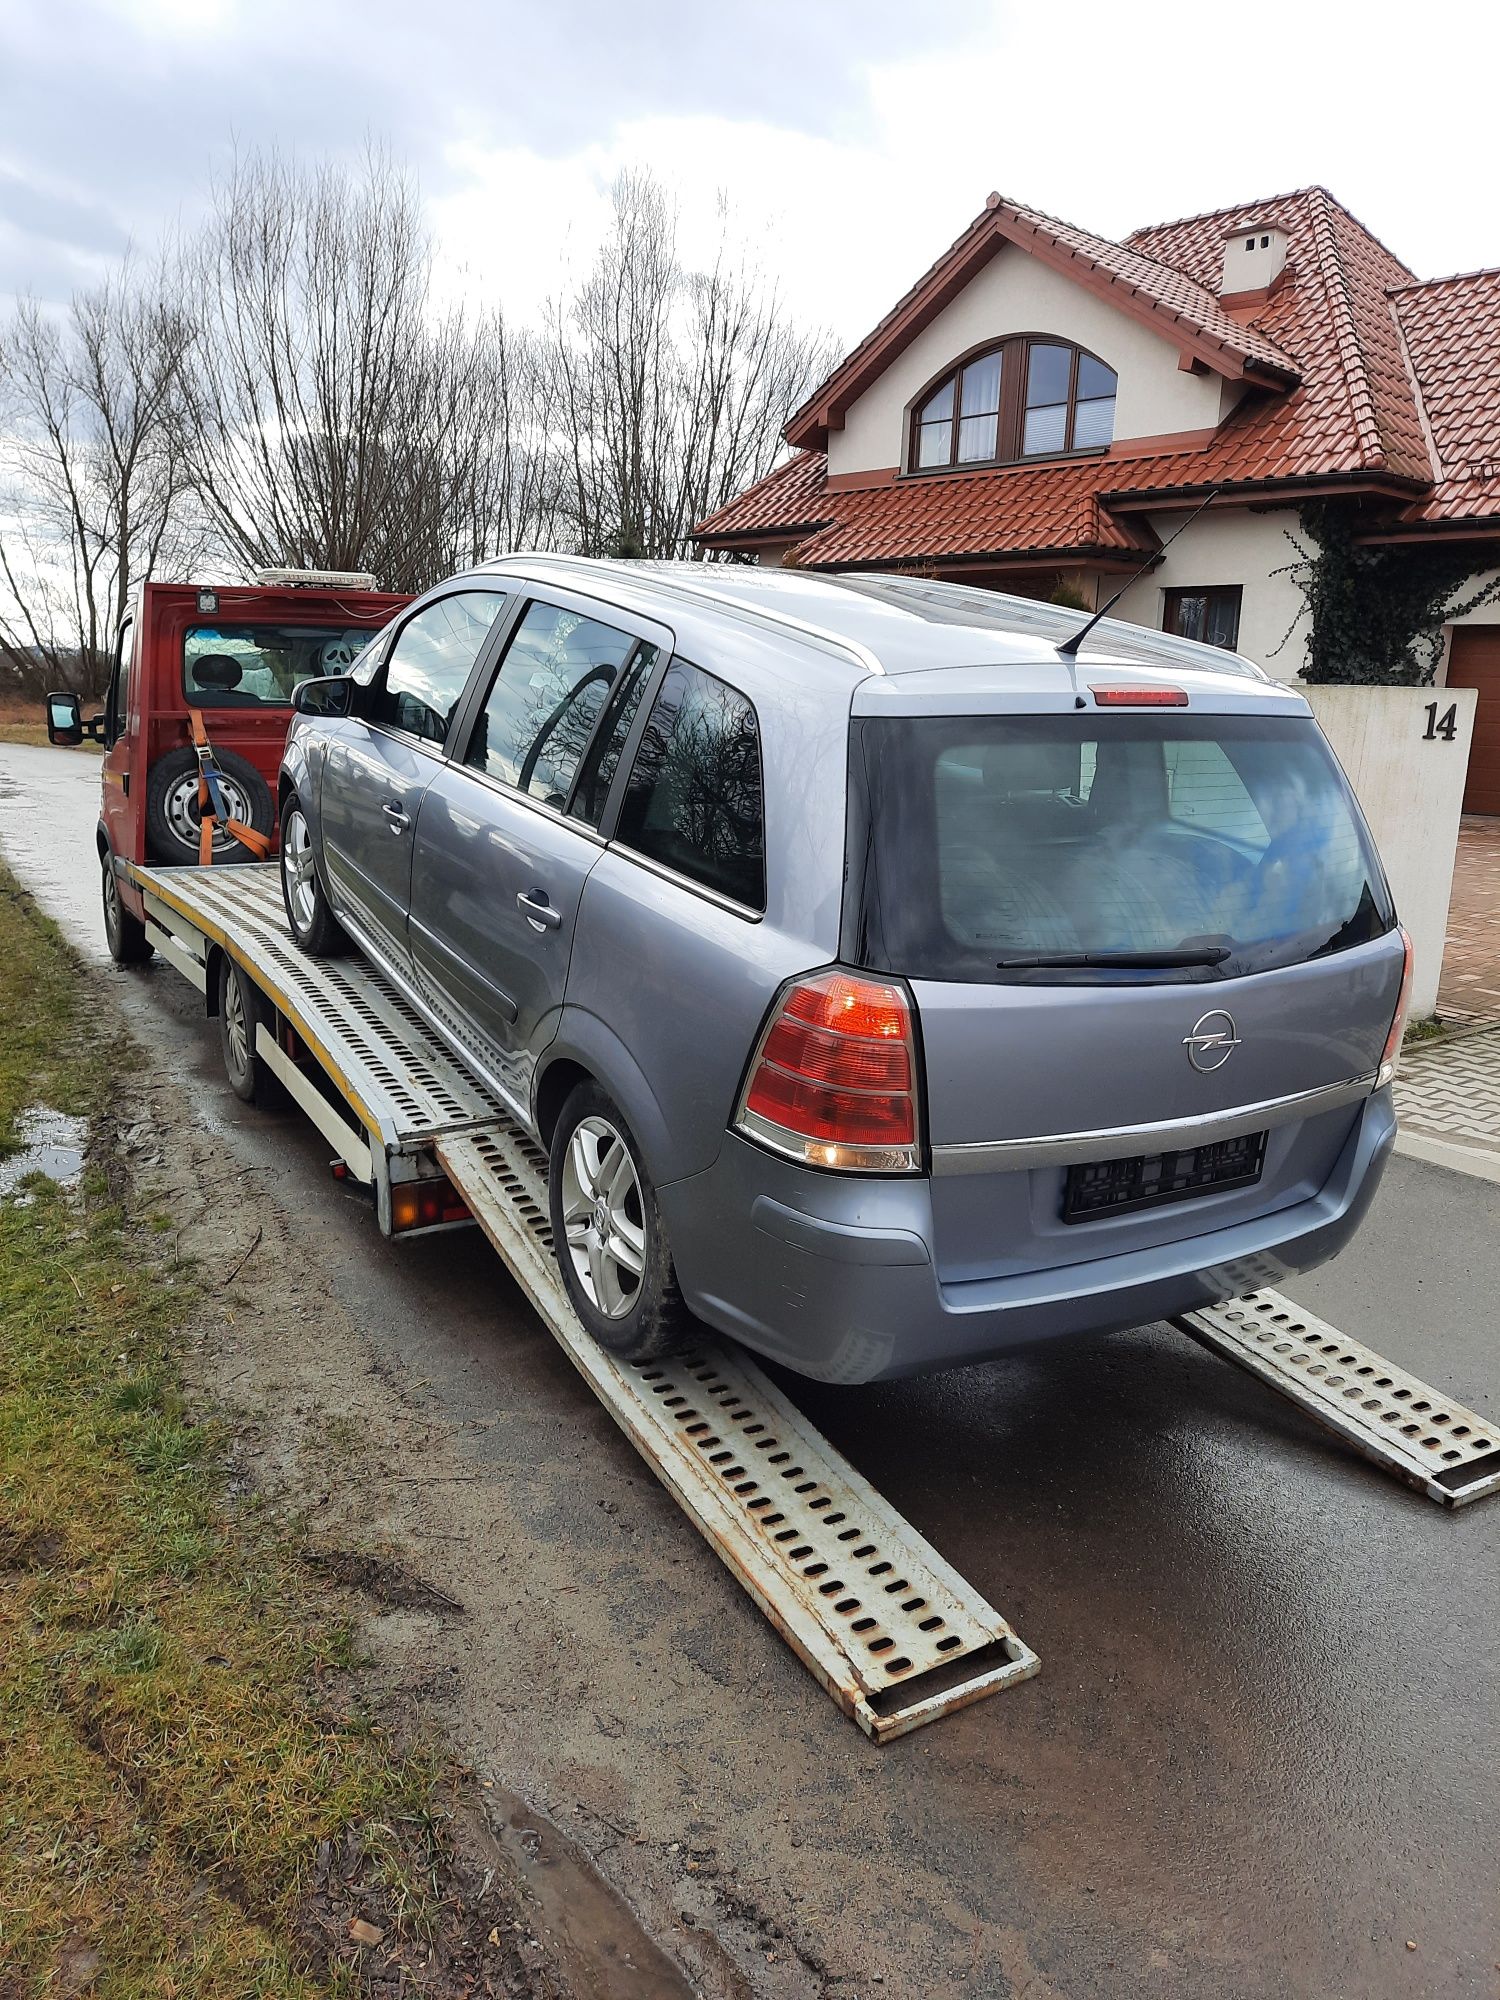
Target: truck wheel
<point>123,933</point>
<point>173,818</point>
<point>241,1008</point>
<point>607,1230</point>
<point>313,924</point>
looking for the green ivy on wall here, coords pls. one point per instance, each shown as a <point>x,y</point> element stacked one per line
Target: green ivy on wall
<point>1377,613</point>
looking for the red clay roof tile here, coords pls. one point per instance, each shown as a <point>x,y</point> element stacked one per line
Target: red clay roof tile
<point>1452,334</point>
<point>1347,320</point>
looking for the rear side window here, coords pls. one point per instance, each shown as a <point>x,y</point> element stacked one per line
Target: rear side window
<point>252,666</point>
<point>429,665</point>
<point>556,676</point>
<point>693,801</point>
<point>1042,846</point>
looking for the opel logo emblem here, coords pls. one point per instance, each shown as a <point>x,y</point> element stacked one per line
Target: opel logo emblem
<point>1212,1042</point>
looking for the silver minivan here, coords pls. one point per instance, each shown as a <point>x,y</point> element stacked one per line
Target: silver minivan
<point>891,986</point>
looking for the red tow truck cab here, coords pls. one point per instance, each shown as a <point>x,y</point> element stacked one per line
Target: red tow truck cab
<point>234,654</point>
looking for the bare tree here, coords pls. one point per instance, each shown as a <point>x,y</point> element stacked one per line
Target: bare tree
<point>329,416</point>
<point>491,479</point>
<point>668,387</point>
<point>92,492</point>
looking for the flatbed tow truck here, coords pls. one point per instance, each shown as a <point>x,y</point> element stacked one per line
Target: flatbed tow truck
<point>197,713</point>
<point>894,1634</point>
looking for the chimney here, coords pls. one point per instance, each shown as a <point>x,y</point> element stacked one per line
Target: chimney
<point>1254,258</point>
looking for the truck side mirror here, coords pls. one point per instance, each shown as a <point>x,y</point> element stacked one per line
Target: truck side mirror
<point>64,719</point>
<point>331,696</point>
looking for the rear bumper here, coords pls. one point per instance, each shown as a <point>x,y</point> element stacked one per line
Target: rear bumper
<point>836,1277</point>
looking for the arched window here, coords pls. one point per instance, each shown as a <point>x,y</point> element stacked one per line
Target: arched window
<point>1030,397</point>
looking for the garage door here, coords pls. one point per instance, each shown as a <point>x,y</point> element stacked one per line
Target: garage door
<point>1475,663</point>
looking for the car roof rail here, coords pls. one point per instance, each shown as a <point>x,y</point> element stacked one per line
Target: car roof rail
<point>695,592</point>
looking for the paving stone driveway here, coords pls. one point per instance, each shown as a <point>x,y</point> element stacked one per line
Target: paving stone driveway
<point>1450,1092</point>
<point>1470,989</point>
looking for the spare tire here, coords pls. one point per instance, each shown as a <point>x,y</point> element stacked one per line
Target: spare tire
<point>173,818</point>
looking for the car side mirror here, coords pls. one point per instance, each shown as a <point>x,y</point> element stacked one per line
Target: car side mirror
<point>332,696</point>
<point>64,719</point>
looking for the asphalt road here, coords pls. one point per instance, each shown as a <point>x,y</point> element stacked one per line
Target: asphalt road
<point>1263,1750</point>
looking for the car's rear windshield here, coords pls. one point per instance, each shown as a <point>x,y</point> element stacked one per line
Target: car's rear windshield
<point>245,666</point>
<point>1131,846</point>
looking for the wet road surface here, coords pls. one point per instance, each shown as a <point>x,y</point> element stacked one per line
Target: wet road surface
<point>1262,1753</point>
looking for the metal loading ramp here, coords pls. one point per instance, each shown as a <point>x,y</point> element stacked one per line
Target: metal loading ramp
<point>896,1636</point>
<point>1394,1419</point>
<point>393,1072</point>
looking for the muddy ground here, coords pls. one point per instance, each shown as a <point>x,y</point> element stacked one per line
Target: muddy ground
<point>1261,1755</point>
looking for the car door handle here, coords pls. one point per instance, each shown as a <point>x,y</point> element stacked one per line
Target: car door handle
<point>538,911</point>
<point>396,816</point>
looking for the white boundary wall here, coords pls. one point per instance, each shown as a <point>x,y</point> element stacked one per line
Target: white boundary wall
<point>1411,786</point>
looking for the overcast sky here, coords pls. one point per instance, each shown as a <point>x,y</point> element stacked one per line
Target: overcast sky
<point>854,138</point>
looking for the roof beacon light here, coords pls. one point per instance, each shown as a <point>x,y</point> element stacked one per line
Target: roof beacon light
<point>1140,697</point>
<point>328,579</point>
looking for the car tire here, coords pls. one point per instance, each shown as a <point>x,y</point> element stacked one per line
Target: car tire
<point>309,918</point>
<point>242,1007</point>
<point>173,818</point>
<point>603,1203</point>
<point>124,933</point>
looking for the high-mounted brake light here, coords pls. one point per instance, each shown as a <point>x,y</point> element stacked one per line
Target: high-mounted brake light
<point>1390,1060</point>
<point>1139,697</point>
<point>833,1079</point>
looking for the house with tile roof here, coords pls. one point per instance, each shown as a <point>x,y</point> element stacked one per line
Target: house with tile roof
<point>1045,406</point>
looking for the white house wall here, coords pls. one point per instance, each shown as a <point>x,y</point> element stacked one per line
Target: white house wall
<point>1014,293</point>
<point>1234,546</point>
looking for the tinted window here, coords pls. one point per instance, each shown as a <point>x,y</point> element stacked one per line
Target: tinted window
<point>994,839</point>
<point>693,801</point>
<point>431,660</point>
<point>556,676</point>
<point>249,666</point>
<point>603,759</point>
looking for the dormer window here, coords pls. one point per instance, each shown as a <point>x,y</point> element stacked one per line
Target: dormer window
<point>1029,397</point>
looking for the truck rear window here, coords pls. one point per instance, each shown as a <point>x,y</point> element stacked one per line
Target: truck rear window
<point>1058,847</point>
<point>245,666</point>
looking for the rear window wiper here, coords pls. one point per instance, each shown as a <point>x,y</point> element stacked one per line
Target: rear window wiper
<point>1207,954</point>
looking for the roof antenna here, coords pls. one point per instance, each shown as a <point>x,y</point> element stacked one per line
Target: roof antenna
<point>1069,647</point>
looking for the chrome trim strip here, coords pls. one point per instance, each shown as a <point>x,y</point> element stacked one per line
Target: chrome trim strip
<point>666,874</point>
<point>1067,1149</point>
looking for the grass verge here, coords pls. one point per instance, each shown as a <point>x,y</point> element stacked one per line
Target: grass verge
<point>188,1803</point>
<point>24,722</point>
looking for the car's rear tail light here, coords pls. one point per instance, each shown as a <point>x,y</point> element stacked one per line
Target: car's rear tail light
<point>1139,697</point>
<point>1390,1060</point>
<point>833,1081</point>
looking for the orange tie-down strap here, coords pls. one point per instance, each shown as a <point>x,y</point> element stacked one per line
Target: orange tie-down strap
<point>211,811</point>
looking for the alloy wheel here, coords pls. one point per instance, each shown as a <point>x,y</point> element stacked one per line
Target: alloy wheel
<point>297,869</point>
<point>604,1217</point>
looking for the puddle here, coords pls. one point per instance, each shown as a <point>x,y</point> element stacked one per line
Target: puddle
<point>51,1143</point>
<point>585,1927</point>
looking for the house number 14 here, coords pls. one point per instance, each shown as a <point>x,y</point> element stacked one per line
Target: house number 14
<point>1447,728</point>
